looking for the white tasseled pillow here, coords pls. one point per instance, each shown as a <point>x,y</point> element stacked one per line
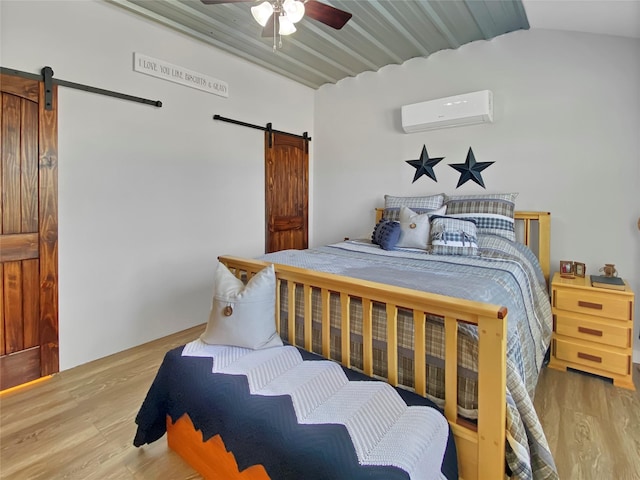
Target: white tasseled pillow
<point>414,228</point>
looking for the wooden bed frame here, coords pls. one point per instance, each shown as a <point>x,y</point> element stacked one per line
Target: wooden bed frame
<point>481,448</point>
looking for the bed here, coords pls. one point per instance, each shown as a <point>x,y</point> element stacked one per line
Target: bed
<point>429,343</point>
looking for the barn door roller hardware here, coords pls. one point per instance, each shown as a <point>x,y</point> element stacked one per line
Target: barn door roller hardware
<point>47,78</point>
<point>267,128</point>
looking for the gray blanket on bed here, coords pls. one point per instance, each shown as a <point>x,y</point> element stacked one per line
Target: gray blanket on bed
<point>505,273</point>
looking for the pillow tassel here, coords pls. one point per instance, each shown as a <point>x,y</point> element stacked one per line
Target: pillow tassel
<point>439,236</point>
<point>465,237</point>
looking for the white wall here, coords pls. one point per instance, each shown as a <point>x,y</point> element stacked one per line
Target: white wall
<point>148,197</point>
<point>566,136</point>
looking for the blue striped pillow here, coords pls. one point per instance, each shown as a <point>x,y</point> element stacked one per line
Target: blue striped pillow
<point>492,212</point>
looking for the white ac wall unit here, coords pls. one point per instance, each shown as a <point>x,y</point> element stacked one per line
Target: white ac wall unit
<point>466,109</point>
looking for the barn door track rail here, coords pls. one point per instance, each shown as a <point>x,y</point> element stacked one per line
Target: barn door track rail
<point>47,77</point>
<point>267,128</point>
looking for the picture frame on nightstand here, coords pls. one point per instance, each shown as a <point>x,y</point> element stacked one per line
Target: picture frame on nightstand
<point>566,268</point>
<point>579,269</point>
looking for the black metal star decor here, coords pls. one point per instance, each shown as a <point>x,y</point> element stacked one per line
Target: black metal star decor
<point>470,169</point>
<point>424,165</point>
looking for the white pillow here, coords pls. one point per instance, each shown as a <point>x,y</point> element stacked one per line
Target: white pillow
<point>243,316</point>
<point>414,228</point>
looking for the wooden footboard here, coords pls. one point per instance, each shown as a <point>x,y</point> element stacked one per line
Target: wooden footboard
<point>479,450</point>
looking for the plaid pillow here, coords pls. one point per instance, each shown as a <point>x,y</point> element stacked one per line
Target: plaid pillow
<point>493,213</point>
<point>453,236</point>
<point>419,205</point>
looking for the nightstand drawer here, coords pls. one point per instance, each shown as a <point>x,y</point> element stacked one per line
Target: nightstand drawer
<point>606,333</point>
<point>592,357</point>
<point>606,305</point>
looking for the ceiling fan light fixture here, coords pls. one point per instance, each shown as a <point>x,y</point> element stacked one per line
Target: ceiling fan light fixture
<point>286,25</point>
<point>294,10</point>
<point>261,13</point>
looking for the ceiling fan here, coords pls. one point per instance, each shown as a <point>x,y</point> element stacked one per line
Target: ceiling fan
<point>279,16</point>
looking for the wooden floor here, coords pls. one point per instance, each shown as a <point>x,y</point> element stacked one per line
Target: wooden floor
<point>79,424</point>
<point>592,427</point>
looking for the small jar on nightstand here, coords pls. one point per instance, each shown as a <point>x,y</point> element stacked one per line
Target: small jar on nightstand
<point>592,329</point>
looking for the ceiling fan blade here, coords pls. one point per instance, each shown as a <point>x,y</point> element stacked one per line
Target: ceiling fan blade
<point>267,31</point>
<point>215,2</point>
<point>332,16</point>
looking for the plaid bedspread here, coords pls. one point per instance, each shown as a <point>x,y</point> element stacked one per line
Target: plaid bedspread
<point>505,273</point>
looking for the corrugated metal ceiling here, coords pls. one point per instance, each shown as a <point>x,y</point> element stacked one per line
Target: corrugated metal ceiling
<point>381,32</point>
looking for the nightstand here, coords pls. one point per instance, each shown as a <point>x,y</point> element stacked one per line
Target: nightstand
<point>592,329</point>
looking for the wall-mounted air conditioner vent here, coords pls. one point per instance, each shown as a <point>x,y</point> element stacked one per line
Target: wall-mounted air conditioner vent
<point>466,109</point>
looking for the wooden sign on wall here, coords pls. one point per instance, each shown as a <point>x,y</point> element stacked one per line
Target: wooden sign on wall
<point>183,76</point>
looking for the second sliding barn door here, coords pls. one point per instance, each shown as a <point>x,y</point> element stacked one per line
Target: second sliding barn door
<point>286,192</point>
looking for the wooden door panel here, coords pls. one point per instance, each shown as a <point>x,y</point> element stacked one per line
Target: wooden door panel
<point>31,303</point>
<point>29,167</point>
<point>18,246</point>
<point>287,184</point>
<point>21,87</point>
<point>13,324</point>
<point>20,367</point>
<point>282,223</point>
<point>28,232</point>
<point>2,127</point>
<point>286,240</point>
<point>2,335</point>
<point>11,210</point>
<point>48,229</point>
<point>19,158</point>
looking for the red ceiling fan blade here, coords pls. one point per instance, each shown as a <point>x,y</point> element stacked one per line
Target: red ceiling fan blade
<point>332,16</point>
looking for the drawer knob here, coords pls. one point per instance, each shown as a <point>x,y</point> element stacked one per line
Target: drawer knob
<point>590,331</point>
<point>595,306</point>
<point>592,358</point>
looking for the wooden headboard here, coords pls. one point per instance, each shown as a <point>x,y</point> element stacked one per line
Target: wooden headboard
<point>533,229</point>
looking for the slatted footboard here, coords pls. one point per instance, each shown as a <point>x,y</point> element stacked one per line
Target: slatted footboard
<point>480,449</point>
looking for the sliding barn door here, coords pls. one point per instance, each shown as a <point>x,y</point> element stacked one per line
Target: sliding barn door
<point>28,232</point>
<point>287,192</point>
